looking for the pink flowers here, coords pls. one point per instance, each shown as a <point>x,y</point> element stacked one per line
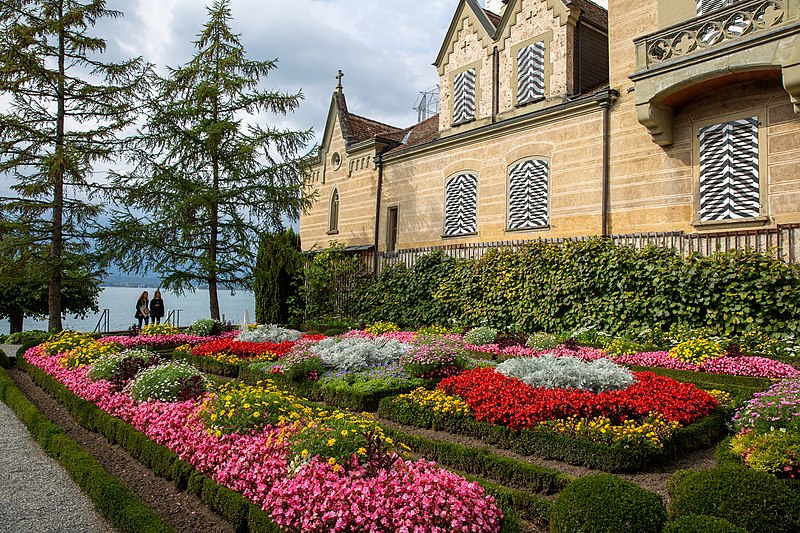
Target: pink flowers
<point>735,366</point>
<point>164,340</point>
<point>316,496</point>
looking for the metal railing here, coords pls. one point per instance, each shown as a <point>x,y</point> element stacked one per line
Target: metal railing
<point>104,324</point>
<point>174,317</point>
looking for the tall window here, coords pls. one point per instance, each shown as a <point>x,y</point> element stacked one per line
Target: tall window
<point>729,177</point>
<point>391,229</point>
<point>461,205</point>
<point>464,97</point>
<point>707,6</point>
<point>333,220</point>
<point>530,73</point>
<point>527,194</point>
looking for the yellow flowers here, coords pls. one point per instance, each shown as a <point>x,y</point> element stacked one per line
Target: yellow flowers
<point>697,350</point>
<point>724,398</point>
<point>380,327</point>
<point>437,401</point>
<point>159,329</point>
<point>78,349</point>
<point>653,430</point>
<point>330,442</point>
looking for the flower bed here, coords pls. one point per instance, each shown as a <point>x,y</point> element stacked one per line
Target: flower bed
<point>734,366</point>
<point>317,494</point>
<point>163,340</point>
<point>768,428</point>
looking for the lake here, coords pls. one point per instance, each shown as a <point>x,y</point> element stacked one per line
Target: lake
<point>121,301</point>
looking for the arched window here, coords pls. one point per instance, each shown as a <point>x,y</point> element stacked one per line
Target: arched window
<point>333,220</point>
<point>527,194</point>
<point>461,205</point>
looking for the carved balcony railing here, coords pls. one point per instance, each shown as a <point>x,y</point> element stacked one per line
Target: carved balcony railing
<point>742,20</point>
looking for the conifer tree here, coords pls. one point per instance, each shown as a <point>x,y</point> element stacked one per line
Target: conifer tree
<point>67,108</point>
<point>209,178</point>
<point>276,273</point>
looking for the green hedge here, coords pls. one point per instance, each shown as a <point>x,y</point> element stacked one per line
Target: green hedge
<point>740,387</point>
<point>557,287</point>
<point>755,501</point>
<point>706,524</point>
<point>109,495</point>
<point>238,510</point>
<point>548,445</point>
<point>604,503</point>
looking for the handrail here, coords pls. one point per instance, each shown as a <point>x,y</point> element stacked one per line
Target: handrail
<point>174,317</point>
<point>105,321</point>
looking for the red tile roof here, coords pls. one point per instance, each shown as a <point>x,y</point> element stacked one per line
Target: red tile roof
<point>364,128</point>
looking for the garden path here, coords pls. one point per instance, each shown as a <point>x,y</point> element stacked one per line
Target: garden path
<point>37,493</point>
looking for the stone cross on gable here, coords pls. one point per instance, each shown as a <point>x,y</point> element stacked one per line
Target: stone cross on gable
<point>339,77</point>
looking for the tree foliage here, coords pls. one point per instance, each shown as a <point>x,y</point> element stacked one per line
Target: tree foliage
<point>67,109</point>
<point>207,183</point>
<point>278,268</point>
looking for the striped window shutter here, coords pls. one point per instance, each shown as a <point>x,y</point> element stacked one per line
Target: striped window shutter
<point>530,73</point>
<point>729,184</point>
<point>464,97</point>
<point>461,205</point>
<point>707,6</point>
<point>527,194</point>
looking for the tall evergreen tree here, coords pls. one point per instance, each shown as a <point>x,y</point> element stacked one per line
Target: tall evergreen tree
<point>278,267</point>
<point>206,182</point>
<point>67,109</point>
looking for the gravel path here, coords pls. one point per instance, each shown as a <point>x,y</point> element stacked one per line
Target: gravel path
<point>37,494</point>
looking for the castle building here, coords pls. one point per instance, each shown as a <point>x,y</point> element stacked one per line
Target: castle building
<point>559,118</point>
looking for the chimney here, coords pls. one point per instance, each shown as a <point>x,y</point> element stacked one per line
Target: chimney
<point>496,6</point>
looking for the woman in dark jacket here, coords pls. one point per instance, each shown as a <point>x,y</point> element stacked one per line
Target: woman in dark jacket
<point>142,310</point>
<point>156,308</point>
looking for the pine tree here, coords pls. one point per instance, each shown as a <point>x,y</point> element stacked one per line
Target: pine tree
<point>206,183</point>
<point>66,112</point>
<point>276,273</point>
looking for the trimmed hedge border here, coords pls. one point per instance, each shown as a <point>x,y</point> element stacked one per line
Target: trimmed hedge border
<point>736,385</point>
<point>108,493</point>
<point>242,514</point>
<point>563,448</point>
<point>207,364</point>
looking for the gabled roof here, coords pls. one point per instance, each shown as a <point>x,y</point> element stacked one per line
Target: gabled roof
<point>365,128</point>
<point>355,128</point>
<point>421,133</point>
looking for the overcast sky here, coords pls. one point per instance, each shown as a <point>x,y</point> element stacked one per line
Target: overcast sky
<point>385,48</point>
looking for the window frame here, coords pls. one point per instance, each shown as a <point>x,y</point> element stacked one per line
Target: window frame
<point>391,236</point>
<point>333,214</point>
<point>547,39</point>
<point>476,66</point>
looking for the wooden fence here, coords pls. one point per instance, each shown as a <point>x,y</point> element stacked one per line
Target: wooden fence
<point>782,242</point>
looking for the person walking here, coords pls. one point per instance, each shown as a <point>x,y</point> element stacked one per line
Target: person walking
<point>142,309</point>
<point>156,308</point>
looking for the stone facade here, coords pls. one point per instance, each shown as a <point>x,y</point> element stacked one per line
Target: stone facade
<point>644,125</point>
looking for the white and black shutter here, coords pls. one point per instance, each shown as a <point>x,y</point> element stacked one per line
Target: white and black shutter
<point>461,205</point>
<point>464,96</point>
<point>530,73</point>
<point>729,181</point>
<point>707,6</point>
<point>527,194</point>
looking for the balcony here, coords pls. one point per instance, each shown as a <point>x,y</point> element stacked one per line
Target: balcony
<point>745,41</point>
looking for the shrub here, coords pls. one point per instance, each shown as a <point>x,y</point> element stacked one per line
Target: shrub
<point>353,354</point>
<point>606,503</point>
<point>430,359</point>
<point>22,337</point>
<point>437,330</point>
<point>697,351</point>
<point>168,382</point>
<point>567,372</point>
<point>206,327</point>
<point>542,341</point>
<point>480,336</point>
<point>705,524</point>
<point>755,501</point>
<point>269,333</point>
<point>119,368</point>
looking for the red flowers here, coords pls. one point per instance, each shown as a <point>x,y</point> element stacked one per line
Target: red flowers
<point>245,349</point>
<point>495,398</point>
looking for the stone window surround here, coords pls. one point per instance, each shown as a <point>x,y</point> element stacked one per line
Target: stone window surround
<point>508,193</point>
<point>761,114</point>
<point>547,37</point>
<point>333,217</point>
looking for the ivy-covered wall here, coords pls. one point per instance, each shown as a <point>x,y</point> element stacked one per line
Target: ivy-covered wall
<point>560,287</point>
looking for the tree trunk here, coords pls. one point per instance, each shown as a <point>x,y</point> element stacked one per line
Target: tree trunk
<point>15,321</point>
<point>57,172</point>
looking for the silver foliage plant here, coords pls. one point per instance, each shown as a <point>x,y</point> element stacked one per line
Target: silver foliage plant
<point>269,333</point>
<point>358,354</point>
<point>567,372</point>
